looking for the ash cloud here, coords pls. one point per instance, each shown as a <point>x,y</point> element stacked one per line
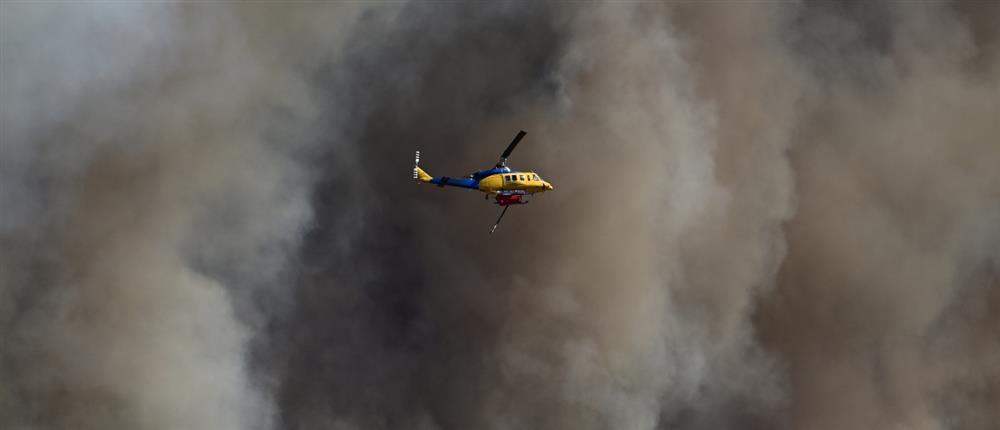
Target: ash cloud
<point>776,215</point>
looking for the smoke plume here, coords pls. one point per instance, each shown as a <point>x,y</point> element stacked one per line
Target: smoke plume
<point>766,215</point>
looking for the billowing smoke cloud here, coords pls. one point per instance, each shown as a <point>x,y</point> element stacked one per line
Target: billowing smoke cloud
<point>886,302</point>
<point>771,215</point>
<point>150,183</point>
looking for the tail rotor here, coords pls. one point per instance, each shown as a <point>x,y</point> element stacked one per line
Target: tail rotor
<point>416,165</point>
<point>419,174</point>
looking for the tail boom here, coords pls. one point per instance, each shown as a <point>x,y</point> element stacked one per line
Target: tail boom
<point>422,176</point>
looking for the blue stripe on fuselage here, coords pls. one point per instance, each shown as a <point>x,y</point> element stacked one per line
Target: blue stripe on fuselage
<point>484,173</point>
<point>473,182</point>
<point>456,182</point>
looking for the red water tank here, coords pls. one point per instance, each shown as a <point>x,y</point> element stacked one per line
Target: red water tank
<point>510,199</point>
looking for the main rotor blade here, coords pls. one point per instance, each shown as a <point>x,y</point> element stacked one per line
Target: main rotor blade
<point>510,148</point>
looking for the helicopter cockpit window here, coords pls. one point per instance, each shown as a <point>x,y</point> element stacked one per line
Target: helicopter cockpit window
<point>536,178</point>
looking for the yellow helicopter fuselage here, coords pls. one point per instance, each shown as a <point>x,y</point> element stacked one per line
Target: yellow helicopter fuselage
<point>528,182</point>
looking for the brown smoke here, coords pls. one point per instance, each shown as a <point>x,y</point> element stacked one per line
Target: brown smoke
<point>150,183</point>
<point>893,252</point>
<point>766,215</point>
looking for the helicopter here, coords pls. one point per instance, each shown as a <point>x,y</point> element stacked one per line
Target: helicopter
<point>508,187</point>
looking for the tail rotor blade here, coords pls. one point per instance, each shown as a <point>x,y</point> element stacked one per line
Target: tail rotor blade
<point>416,164</point>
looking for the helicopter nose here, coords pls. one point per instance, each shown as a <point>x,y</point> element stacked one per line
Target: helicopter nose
<point>548,186</point>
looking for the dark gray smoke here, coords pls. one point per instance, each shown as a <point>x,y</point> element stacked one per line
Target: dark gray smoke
<point>766,215</point>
